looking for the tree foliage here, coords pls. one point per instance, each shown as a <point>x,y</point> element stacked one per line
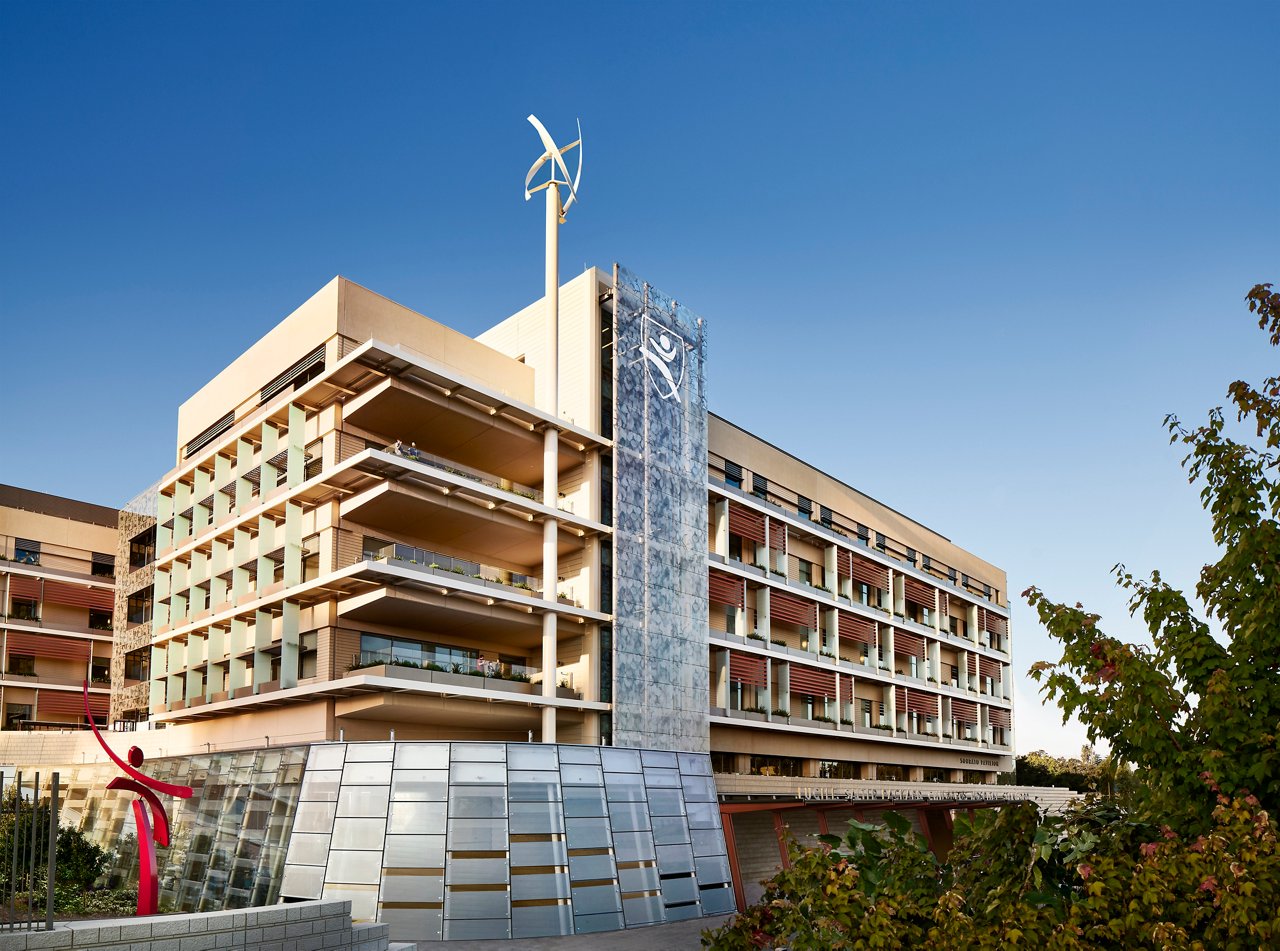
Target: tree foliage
<point>1191,860</point>
<point>1090,772</point>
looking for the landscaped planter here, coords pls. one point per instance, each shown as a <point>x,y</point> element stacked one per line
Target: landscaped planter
<point>748,715</point>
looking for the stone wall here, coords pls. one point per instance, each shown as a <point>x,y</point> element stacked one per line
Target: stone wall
<point>298,927</point>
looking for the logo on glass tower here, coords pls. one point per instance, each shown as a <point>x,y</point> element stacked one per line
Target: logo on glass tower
<point>664,358</point>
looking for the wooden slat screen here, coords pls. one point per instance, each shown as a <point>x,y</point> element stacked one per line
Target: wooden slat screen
<point>814,683</point>
<point>964,711</point>
<point>48,645</point>
<point>990,621</point>
<point>844,561</point>
<point>748,669</point>
<point>944,606</point>
<point>51,701</point>
<point>915,701</point>
<point>869,573</point>
<point>777,534</point>
<point>726,589</point>
<point>24,586</point>
<point>846,687</point>
<point>60,592</point>
<point>789,608</point>
<point>906,644</point>
<point>917,592</point>
<point>857,629</point>
<point>973,665</point>
<point>998,717</point>
<point>989,668</point>
<point>746,522</point>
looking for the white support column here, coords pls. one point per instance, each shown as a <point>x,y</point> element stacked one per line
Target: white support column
<point>550,575</point>
<point>720,510</point>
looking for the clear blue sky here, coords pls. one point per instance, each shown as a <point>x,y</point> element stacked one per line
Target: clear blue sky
<point>965,256</point>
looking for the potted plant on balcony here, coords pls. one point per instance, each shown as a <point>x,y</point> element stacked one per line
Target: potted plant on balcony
<point>780,712</point>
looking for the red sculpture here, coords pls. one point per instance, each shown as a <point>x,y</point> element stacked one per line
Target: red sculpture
<point>153,829</point>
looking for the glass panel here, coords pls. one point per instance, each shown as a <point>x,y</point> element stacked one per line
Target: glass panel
<point>421,785</point>
<point>471,835</point>
<point>370,752</point>
<point>413,924</point>
<point>588,868</point>
<point>643,911</point>
<point>302,881</point>
<point>539,853</point>
<point>666,802</point>
<point>670,830</point>
<point>541,885</point>
<point>644,878</point>
<point>675,858</point>
<point>477,904</point>
<point>458,928</point>
<point>707,842</point>
<point>308,849</point>
<point>625,787</point>
<point>628,816</point>
<point>532,756</point>
<point>694,764</point>
<point>468,772</point>
<point>589,834</point>
<point>413,851</point>
<point>321,786</point>
<point>633,847</point>
<point>416,818</point>
<point>354,868</point>
<point>314,817</point>
<point>711,869</point>
<point>422,756</point>
<point>534,817</point>
<point>363,898</point>
<point>699,789</point>
<point>358,834</point>
<point>363,801</point>
<point>326,756</point>
<point>579,754</point>
<point>534,791</point>
<point>417,888</point>
<point>659,758</point>
<point>703,815</point>
<point>584,801</point>
<point>662,777</point>
<point>616,760</point>
<point>679,890</point>
<point>578,774</point>
<point>591,924</point>
<point>541,920</point>
<point>476,871</point>
<point>366,774</point>
<point>717,901</point>
<point>478,802</point>
<point>479,752</point>
<point>596,898</point>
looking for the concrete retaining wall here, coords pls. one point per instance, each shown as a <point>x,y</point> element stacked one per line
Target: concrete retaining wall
<point>303,926</point>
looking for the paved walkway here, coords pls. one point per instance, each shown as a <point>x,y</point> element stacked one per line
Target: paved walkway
<point>677,936</point>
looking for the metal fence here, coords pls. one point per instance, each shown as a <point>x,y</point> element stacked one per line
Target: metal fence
<point>28,851</point>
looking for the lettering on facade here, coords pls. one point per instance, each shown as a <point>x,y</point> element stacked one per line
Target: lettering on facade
<point>978,761</point>
<point>919,791</point>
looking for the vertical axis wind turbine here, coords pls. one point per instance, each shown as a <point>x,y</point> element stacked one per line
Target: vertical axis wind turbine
<point>549,372</point>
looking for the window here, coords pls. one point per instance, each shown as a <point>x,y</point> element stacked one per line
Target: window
<point>759,486</point>
<point>724,762</point>
<point>911,556</point>
<point>838,769</point>
<point>15,714</point>
<point>825,516</point>
<point>140,605</point>
<point>804,570</point>
<point>732,474</point>
<point>776,766</point>
<point>804,507</point>
<point>142,549</point>
<point>936,774</point>
<point>100,672</point>
<point>735,547</point>
<point>104,566</point>
<point>99,620</point>
<point>24,665</point>
<point>880,541</point>
<point>137,664</point>
<point>24,609</point>
<point>26,551</point>
<point>891,772</point>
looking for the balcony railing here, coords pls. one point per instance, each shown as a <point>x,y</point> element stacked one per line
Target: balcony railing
<point>491,669</point>
<point>448,565</point>
<point>467,472</point>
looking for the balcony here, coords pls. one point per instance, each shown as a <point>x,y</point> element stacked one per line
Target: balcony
<point>446,566</point>
<point>477,675</point>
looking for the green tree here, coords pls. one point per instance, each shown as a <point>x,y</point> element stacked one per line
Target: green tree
<point>1195,714</point>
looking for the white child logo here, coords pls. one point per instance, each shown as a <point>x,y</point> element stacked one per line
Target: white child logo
<point>664,359</point>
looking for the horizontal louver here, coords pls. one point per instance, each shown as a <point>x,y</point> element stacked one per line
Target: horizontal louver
<point>725,589</point>
<point>843,560</point>
<point>869,573</point>
<point>281,382</point>
<point>990,621</point>
<point>906,644</point>
<point>746,522</point>
<point>777,535</point>
<point>748,669</point>
<point>917,592</point>
<point>846,687</point>
<point>964,711</point>
<point>209,435</point>
<point>48,645</point>
<point>811,682</point>
<point>915,701</point>
<point>998,717</point>
<point>22,586</point>
<point>989,668</point>
<point>944,605</point>
<point>793,610</point>
<point>59,702</point>
<point>60,592</point>
<point>857,629</point>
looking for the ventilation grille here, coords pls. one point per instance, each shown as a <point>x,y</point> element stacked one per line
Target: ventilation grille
<point>305,369</point>
<point>209,435</point>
